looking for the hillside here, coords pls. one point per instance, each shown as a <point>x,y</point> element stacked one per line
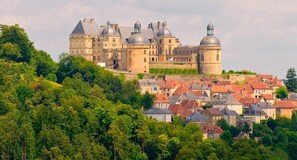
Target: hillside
<point>76,110</point>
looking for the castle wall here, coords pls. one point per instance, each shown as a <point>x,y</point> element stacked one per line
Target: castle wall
<point>210,60</point>
<point>173,65</point>
<point>138,58</point>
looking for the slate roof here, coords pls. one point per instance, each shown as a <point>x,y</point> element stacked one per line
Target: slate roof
<point>86,27</point>
<point>154,110</point>
<point>264,105</point>
<point>188,95</point>
<point>197,117</point>
<point>228,112</point>
<point>255,110</point>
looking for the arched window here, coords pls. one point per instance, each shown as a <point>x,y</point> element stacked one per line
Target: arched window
<point>218,57</point>
<point>144,59</point>
<point>202,57</point>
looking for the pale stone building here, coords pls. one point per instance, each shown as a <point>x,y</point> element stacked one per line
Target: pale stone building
<point>210,53</point>
<point>122,47</point>
<point>134,49</point>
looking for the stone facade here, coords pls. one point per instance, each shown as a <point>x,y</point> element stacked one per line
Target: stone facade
<point>210,53</point>
<point>108,45</point>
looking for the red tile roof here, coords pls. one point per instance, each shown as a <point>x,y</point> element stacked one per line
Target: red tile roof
<point>285,104</point>
<point>249,101</point>
<point>239,88</point>
<point>213,129</point>
<point>161,98</point>
<point>267,96</point>
<point>265,76</point>
<point>213,111</point>
<point>260,86</point>
<point>219,89</point>
<point>180,90</point>
<point>198,93</point>
<point>190,104</point>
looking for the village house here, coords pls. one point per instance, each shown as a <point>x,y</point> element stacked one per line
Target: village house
<point>213,115</point>
<point>260,89</point>
<point>161,101</point>
<point>285,108</point>
<point>197,118</point>
<point>255,114</point>
<point>227,101</point>
<point>212,132</point>
<point>160,114</point>
<point>268,109</point>
<point>149,85</point>
<point>230,116</point>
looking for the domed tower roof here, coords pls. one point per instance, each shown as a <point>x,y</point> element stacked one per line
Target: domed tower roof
<point>164,31</point>
<point>108,30</point>
<point>210,39</point>
<point>136,37</point>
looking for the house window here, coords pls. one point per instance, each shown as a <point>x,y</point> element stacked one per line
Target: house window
<point>169,50</point>
<point>202,57</point>
<point>113,39</point>
<point>144,51</point>
<point>169,40</point>
<point>218,57</point>
<point>160,40</point>
<point>144,59</point>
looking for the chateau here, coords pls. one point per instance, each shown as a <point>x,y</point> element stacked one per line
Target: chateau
<point>136,49</point>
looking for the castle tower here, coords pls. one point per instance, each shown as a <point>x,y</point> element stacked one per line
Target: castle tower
<point>166,43</point>
<point>209,61</point>
<point>82,38</point>
<point>137,51</point>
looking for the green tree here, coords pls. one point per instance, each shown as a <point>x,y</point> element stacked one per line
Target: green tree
<point>148,100</point>
<point>44,64</point>
<point>291,83</point>
<point>23,92</point>
<point>294,121</point>
<point>227,137</point>
<point>10,51</point>
<point>281,92</point>
<point>17,35</point>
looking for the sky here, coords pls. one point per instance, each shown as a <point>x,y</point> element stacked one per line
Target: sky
<point>260,36</point>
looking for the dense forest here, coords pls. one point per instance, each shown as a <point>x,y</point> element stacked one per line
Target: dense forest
<point>75,110</point>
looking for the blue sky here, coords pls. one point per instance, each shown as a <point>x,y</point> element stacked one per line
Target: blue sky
<point>256,35</point>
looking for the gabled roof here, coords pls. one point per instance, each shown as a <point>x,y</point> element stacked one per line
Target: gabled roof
<point>154,110</point>
<point>255,110</point>
<point>267,96</point>
<point>266,76</point>
<point>180,90</point>
<point>196,117</point>
<point>264,105</point>
<point>249,101</point>
<point>219,89</point>
<point>260,86</point>
<point>190,104</point>
<point>213,111</point>
<point>239,88</point>
<point>188,95</point>
<point>285,104</point>
<point>86,27</point>
<point>161,98</point>
<point>212,129</point>
<point>228,112</point>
